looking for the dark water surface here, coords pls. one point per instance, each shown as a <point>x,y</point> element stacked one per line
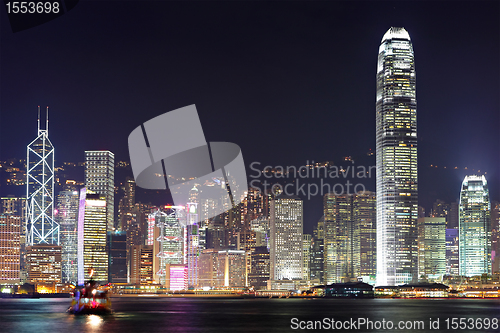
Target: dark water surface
<point>149,314</point>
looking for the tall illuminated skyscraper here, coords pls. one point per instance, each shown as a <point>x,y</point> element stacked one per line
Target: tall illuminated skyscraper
<point>66,216</point>
<point>92,251</point>
<point>396,137</point>
<point>40,225</point>
<point>100,178</point>
<point>286,224</point>
<point>474,227</point>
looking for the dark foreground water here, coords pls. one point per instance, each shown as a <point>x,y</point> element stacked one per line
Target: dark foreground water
<point>149,314</point>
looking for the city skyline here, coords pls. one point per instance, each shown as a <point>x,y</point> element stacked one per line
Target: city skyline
<point>257,73</point>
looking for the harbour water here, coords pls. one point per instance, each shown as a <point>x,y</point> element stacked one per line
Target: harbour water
<point>150,314</point>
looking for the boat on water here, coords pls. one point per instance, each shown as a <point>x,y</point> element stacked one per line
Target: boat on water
<point>91,299</point>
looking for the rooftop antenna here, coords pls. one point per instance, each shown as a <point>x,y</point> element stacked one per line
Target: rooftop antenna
<point>47,123</point>
<point>38,118</point>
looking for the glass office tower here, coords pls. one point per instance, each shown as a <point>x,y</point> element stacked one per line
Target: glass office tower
<point>396,138</point>
<point>474,227</point>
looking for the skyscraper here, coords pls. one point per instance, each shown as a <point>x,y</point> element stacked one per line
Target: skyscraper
<point>431,248</point>
<point>92,252</point>
<point>66,216</point>
<point>349,236</point>
<point>365,217</point>
<point>41,227</point>
<point>286,225</point>
<point>474,227</point>
<point>340,235</point>
<point>100,178</point>
<point>10,248</point>
<point>396,144</point>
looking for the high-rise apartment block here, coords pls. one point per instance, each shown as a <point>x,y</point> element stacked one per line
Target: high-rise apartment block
<point>396,160</point>
<point>100,178</point>
<point>474,227</point>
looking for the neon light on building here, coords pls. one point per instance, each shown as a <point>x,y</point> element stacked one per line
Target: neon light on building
<point>178,277</point>
<point>81,218</point>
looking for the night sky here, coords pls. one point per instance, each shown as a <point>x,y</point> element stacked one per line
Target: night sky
<point>286,81</point>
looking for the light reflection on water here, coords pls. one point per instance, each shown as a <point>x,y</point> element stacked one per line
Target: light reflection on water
<point>94,321</point>
<point>227,315</point>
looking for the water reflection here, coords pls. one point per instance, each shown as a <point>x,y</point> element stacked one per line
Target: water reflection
<point>94,322</point>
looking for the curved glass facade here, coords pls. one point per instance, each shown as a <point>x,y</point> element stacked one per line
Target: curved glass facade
<point>396,136</point>
<point>474,227</point>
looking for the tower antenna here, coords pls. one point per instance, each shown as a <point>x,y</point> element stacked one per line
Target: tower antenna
<point>38,118</point>
<point>47,122</point>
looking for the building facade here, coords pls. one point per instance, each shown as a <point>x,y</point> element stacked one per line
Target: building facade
<point>286,229</point>
<point>474,227</point>
<point>92,232</point>
<point>100,178</point>
<point>396,160</point>
<point>306,256</point>
<point>431,248</point>
<point>141,264</point>
<point>117,256</point>
<point>66,216</point>
<point>10,248</point>
<point>452,257</point>
<point>259,268</point>
<point>43,263</point>
<point>40,224</point>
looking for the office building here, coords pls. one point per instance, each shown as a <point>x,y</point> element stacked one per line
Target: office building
<point>11,205</point>
<point>10,248</point>
<point>341,247</point>
<point>43,263</point>
<point>207,269</point>
<point>431,248</point>
<point>141,264</point>
<point>365,216</point>
<point>100,178</point>
<point>349,229</point>
<point>177,277</point>
<point>474,227</point>
<point>92,253</point>
<point>452,258</point>
<point>286,229</point>
<point>66,215</point>
<point>396,160</point>
<point>231,268</point>
<point>495,237</point>
<point>259,268</point>
<point>117,256</point>
<point>306,256</point>
<point>40,223</point>
<point>168,240</point>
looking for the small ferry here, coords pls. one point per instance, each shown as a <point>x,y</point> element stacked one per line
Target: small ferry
<point>92,299</point>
